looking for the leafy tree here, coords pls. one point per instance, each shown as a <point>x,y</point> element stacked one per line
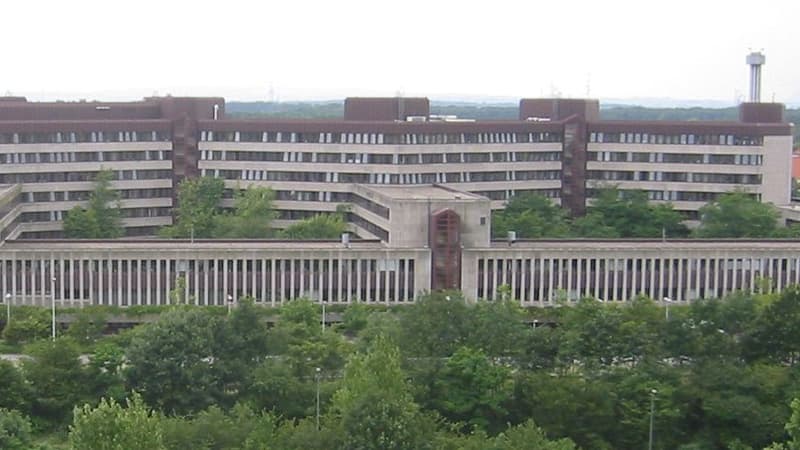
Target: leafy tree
<point>109,426</point>
<point>628,214</point>
<point>737,215</point>
<point>15,430</point>
<point>473,390</point>
<point>242,341</point>
<point>320,226</point>
<point>435,325</point>
<point>374,407</point>
<point>56,378</point>
<point>774,334</point>
<point>14,391</point>
<point>27,325</point>
<point>87,327</point>
<point>251,217</point>
<point>172,362</point>
<point>792,428</point>
<point>530,216</point>
<point>101,218</point>
<point>198,208</point>
<point>527,436</point>
<point>105,371</point>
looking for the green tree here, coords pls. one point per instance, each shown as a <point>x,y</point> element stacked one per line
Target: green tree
<point>374,407</point>
<point>171,361</point>
<point>198,208</point>
<point>110,426</point>
<point>529,436</point>
<point>56,378</point>
<point>87,327</point>
<point>14,391</point>
<point>737,215</point>
<point>530,216</point>
<point>251,217</point>
<point>473,390</point>
<point>27,325</point>
<point>320,226</point>
<point>628,214</point>
<point>792,428</point>
<point>15,430</point>
<point>101,218</point>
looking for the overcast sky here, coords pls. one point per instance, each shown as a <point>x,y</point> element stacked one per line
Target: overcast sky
<point>246,50</point>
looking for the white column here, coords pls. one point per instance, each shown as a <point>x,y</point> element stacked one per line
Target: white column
<point>550,280</point>
<point>358,280</point>
<point>273,288</point>
<point>624,278</point>
<point>541,278</point>
<point>264,281</point>
<point>680,280</point>
<point>569,260</point>
<point>225,292</point>
<point>606,268</point>
<point>81,283</point>
<point>368,274</point>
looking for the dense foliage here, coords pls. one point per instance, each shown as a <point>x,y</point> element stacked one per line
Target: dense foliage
<point>614,213</point>
<point>442,373</point>
<point>101,217</point>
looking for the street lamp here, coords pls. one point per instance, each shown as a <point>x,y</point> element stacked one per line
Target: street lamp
<point>53,304</point>
<point>317,376</point>
<point>323,315</point>
<point>653,393</point>
<point>667,301</point>
<point>230,303</point>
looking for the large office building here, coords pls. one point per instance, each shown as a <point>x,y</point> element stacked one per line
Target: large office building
<point>420,188</point>
<point>50,152</point>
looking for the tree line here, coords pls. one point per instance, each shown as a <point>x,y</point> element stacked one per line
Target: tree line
<point>628,214</point>
<point>443,373</point>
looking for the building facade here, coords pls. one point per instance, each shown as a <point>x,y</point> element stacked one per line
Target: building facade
<point>558,148</point>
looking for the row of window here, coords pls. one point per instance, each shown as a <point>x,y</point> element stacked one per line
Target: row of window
<point>509,193</point>
<point>77,196</point>
<point>384,178</point>
<point>93,156</point>
<point>380,138</point>
<point>684,177</point>
<point>333,197</point>
<point>72,137</point>
<point>678,158</point>
<point>675,139</point>
<point>377,158</point>
<point>54,216</point>
<point>678,196</point>
<point>62,177</point>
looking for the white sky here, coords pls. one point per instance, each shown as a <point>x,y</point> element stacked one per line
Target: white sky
<point>307,49</point>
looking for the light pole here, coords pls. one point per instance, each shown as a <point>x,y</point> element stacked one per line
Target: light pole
<point>323,316</point>
<point>8,308</point>
<point>667,301</point>
<point>653,393</point>
<point>230,303</point>
<point>318,371</point>
<point>53,304</point>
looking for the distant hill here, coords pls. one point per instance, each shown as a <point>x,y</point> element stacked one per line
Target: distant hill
<point>488,111</point>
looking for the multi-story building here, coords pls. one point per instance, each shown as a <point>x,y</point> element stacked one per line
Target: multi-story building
<point>558,148</point>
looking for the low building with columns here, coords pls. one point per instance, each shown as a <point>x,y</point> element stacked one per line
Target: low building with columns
<point>435,238</point>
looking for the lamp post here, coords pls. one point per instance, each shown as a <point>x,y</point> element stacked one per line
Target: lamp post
<point>8,308</point>
<point>317,376</point>
<point>653,393</point>
<point>53,305</point>
<point>323,316</point>
<point>230,303</point>
<point>667,301</point>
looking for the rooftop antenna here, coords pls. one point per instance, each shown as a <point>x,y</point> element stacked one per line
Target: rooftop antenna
<point>755,60</point>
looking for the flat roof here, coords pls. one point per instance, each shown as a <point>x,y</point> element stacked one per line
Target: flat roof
<point>422,192</point>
